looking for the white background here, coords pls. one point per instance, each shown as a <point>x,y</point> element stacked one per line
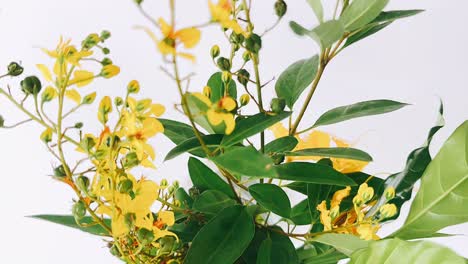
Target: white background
<point>417,60</point>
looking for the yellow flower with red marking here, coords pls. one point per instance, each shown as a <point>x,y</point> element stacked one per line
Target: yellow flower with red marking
<point>220,112</point>
<point>221,13</point>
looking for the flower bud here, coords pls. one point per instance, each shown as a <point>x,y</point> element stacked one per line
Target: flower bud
<point>389,193</point>
<point>280,8</point>
<point>277,105</point>
<point>105,51</point>
<point>226,77</point>
<point>89,99</point>
<point>106,61</point>
<point>60,172</point>
<point>253,43</point>
<point>244,99</point>
<point>224,64</point>
<point>366,192</point>
<point>215,51</point>
<point>164,183</point>
<point>118,101</point>
<point>125,186</point>
<point>78,125</point>
<point>243,77</point>
<point>236,38</point>
<point>105,35</point>
<point>388,210</point>
<point>2,121</point>
<point>83,183</point>
<point>14,69</point>
<point>207,91</point>
<point>48,94</point>
<point>46,136</point>
<point>90,41</point>
<point>87,143</point>
<point>177,203</point>
<point>176,185</point>
<point>31,85</point>
<point>110,71</point>
<point>133,87</point>
<point>145,236</point>
<point>79,210</point>
<point>246,56</point>
<point>138,2</point>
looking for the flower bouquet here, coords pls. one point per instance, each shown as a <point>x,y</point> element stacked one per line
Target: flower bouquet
<point>238,207</point>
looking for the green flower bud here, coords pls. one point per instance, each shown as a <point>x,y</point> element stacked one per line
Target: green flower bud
<point>246,56</point>
<point>207,91</point>
<point>125,186</point>
<point>215,51</point>
<point>105,51</point>
<point>133,87</point>
<point>244,99</point>
<point>145,236</point>
<point>46,136</point>
<point>177,203</point>
<point>176,185</point>
<point>131,160</point>
<point>79,210</point>
<point>60,172</point>
<point>253,43</point>
<point>236,38</point>
<point>280,8</point>
<point>106,61</point>
<point>78,125</point>
<point>243,77</point>
<point>118,101</point>
<point>138,2</point>
<point>2,121</point>
<point>90,41</point>
<point>87,143</point>
<point>226,77</point>
<point>224,64</point>
<point>83,183</point>
<point>277,105</point>
<point>31,85</point>
<point>14,69</point>
<point>164,183</point>
<point>105,35</point>
<point>89,99</point>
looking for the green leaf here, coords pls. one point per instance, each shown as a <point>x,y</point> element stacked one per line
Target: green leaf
<point>272,197</point>
<point>396,251</point>
<point>277,249</point>
<point>223,239</point>
<point>416,164</point>
<point>69,220</point>
<point>298,29</point>
<point>186,230</point>
<point>316,5</point>
<point>344,243</point>
<point>361,109</point>
<point>252,125</point>
<point>365,32</point>
<point>312,173</point>
<point>345,153</point>
<point>316,193</point>
<point>193,144</point>
<point>443,195</point>
<point>197,109</point>
<point>176,131</point>
<point>295,79</point>
<point>282,144</point>
<point>316,253</point>
<point>184,198</point>
<point>205,179</point>
<point>391,16</point>
<point>218,87</point>
<point>327,33</point>
<point>300,214</point>
<point>361,12</point>
<point>212,202</point>
<point>246,161</point>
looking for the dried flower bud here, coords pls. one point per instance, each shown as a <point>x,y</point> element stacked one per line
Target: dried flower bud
<point>14,69</point>
<point>207,91</point>
<point>277,105</point>
<point>253,43</point>
<point>125,186</point>
<point>215,51</point>
<point>280,8</point>
<point>224,64</point>
<point>194,192</point>
<point>226,77</point>
<point>243,77</point>
<point>133,87</point>
<point>79,210</point>
<point>31,85</point>
<point>244,99</point>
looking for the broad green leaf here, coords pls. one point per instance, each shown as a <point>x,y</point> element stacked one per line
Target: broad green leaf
<point>416,164</point>
<point>197,109</point>
<point>316,253</point>
<point>69,220</point>
<point>361,12</point>
<point>287,143</point>
<point>317,6</point>
<point>246,161</point>
<point>344,243</point>
<point>250,254</point>
<point>316,193</point>
<point>300,214</point>
<point>327,33</point>
<point>277,249</point>
<point>365,32</point>
<point>396,251</point>
<point>361,109</point>
<point>252,125</point>
<point>205,179</point>
<point>295,79</point>
<point>345,153</point>
<point>193,144</point>
<point>298,29</point>
<point>390,16</point>
<point>272,197</point>
<point>312,173</point>
<point>186,230</point>
<point>223,239</point>
<point>218,87</point>
<point>443,194</point>
<point>176,131</point>
<point>212,202</point>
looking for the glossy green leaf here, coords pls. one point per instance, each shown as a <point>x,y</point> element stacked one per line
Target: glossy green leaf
<point>344,243</point>
<point>295,79</point>
<point>394,251</point>
<point>312,173</point>
<point>390,16</point>
<point>212,202</point>
<point>361,12</point>
<point>272,197</point>
<point>282,144</point>
<point>218,87</point>
<point>327,33</point>
<point>193,144</point>
<point>300,214</point>
<point>223,239</point>
<point>277,249</point>
<point>205,179</point>
<point>246,161</point>
<point>345,153</point>
<point>317,6</point>
<point>69,220</point>
<point>443,194</point>
<point>252,125</point>
<point>365,32</point>
<point>316,193</point>
<point>176,131</point>
<point>361,109</point>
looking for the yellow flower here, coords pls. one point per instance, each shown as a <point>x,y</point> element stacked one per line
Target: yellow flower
<point>325,218</point>
<point>319,139</point>
<point>220,112</point>
<point>365,192</point>
<point>339,195</point>
<point>110,71</point>
<point>221,13</point>
<point>73,95</point>
<point>388,210</point>
<point>368,231</point>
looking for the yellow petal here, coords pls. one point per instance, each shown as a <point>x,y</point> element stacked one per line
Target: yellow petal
<point>214,117</point>
<point>157,109</point>
<point>190,37</point>
<point>187,56</point>
<point>149,32</point>
<point>167,217</point>
<point>339,195</point>
<point>279,130</point>
<point>229,122</point>
<point>228,104</point>
<point>203,98</point>
<point>45,72</point>
<point>166,29</point>
<point>151,127</point>
<point>82,78</point>
<point>166,49</point>
<point>73,95</point>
